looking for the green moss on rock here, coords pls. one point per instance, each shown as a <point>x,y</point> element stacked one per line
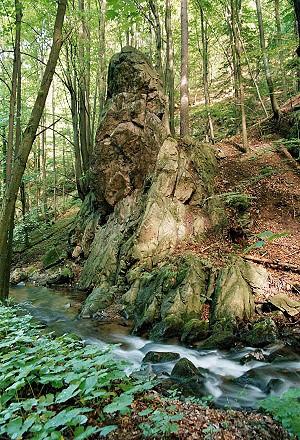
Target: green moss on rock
<point>262,333</point>
<point>157,357</point>
<point>195,330</point>
<point>54,256</point>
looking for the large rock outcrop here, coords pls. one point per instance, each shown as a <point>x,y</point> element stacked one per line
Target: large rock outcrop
<point>153,196</point>
<point>132,129</point>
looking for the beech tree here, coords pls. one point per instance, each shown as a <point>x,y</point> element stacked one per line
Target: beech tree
<point>19,164</point>
<point>269,79</point>
<point>184,83</point>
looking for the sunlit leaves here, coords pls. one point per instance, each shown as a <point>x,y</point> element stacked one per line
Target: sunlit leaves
<point>49,385</point>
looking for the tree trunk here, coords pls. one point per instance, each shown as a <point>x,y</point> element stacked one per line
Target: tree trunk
<point>235,22</point>
<point>158,37</point>
<point>274,103</point>
<point>54,152</point>
<point>184,85</point>
<point>44,169</point>
<point>8,206</point>
<point>170,88</point>
<point>13,94</point>
<point>4,150</point>
<point>204,38</point>
<point>297,13</point>
<point>83,89</point>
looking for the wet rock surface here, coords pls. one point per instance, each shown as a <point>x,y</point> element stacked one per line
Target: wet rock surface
<point>156,357</point>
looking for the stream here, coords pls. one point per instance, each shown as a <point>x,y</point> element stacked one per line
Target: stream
<point>231,383</point>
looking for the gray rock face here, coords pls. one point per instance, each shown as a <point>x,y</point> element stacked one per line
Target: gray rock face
<point>132,130</point>
<point>153,196</point>
<point>153,190</point>
<point>235,287</point>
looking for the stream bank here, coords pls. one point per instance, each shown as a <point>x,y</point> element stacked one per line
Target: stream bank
<point>236,378</point>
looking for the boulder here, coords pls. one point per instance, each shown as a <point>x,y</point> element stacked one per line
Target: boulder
<point>195,330</point>
<point>262,333</point>
<point>222,337</point>
<point>184,369</point>
<point>188,378</point>
<point>60,276</point>
<point>17,276</point>
<point>235,287</point>
<point>256,355</point>
<point>150,195</point>
<point>282,302</point>
<point>157,357</point>
<point>168,296</point>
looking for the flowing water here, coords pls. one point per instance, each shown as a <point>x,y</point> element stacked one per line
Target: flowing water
<point>226,379</point>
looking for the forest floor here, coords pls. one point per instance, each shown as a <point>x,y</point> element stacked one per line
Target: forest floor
<point>270,184</point>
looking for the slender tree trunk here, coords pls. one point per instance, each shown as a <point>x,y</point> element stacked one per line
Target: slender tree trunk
<point>205,74</point>
<point>170,87</point>
<point>8,206</point>
<point>72,87</point>
<point>4,151</point>
<point>184,85</point>
<point>253,78</point>
<point>274,103</point>
<point>83,81</point>
<point>158,36</point>
<point>38,170</point>
<point>54,152</point>
<point>44,169</point>
<point>13,94</point>
<point>279,43</point>
<point>297,13</point>
<point>240,98</point>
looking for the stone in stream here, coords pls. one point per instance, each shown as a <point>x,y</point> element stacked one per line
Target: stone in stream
<point>156,357</point>
<point>189,378</point>
<point>223,335</point>
<point>283,354</point>
<point>17,276</point>
<point>256,355</point>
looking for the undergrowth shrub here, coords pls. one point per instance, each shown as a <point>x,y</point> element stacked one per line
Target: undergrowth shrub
<point>58,387</point>
<point>285,409</point>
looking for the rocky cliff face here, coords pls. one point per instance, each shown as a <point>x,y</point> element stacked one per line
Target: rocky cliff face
<point>153,194</point>
<point>132,130</point>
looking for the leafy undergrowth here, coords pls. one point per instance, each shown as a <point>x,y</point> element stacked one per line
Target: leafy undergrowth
<point>56,387</point>
<point>285,409</point>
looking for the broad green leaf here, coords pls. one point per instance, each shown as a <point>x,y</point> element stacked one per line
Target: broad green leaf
<point>67,394</point>
<point>107,430</point>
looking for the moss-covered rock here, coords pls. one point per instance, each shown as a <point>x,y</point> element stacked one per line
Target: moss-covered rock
<point>223,335</point>
<point>262,333</point>
<point>195,330</point>
<point>157,357</point>
<point>185,369</point>
<point>54,256</point>
<point>235,286</point>
<point>188,378</point>
<point>97,301</point>
<point>169,296</point>
<point>62,275</point>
